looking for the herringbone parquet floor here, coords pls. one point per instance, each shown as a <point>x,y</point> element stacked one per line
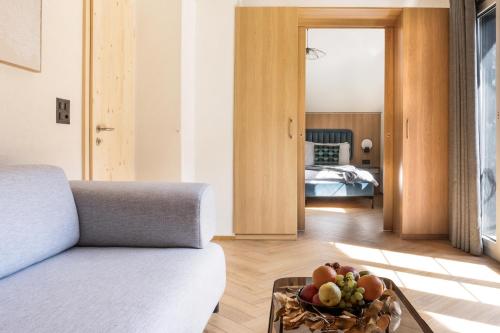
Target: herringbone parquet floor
<point>453,291</point>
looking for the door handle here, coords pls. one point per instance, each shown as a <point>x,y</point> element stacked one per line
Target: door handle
<point>100,128</point>
<point>290,123</point>
<point>407,134</point>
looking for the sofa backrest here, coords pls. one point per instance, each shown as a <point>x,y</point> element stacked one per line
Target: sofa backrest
<point>38,217</point>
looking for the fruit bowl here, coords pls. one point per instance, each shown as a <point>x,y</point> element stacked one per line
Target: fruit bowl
<point>333,310</point>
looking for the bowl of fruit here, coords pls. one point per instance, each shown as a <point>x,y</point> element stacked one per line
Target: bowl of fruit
<point>337,288</point>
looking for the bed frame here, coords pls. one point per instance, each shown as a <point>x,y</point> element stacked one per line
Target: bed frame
<point>333,189</point>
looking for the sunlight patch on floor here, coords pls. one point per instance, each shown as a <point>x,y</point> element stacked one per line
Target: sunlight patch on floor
<point>422,263</point>
<point>413,261</point>
<point>327,209</point>
<point>417,281</point>
<point>362,253</point>
<point>460,325</point>
<point>441,287</point>
<point>469,270</point>
<point>487,295</point>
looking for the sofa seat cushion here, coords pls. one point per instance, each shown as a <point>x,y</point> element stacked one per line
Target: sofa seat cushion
<point>115,290</point>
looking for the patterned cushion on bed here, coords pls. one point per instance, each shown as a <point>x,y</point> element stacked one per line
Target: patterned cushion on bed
<point>326,155</point>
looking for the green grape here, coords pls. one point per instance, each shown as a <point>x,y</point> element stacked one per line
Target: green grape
<point>340,283</point>
<point>358,296</point>
<point>349,275</point>
<point>339,278</point>
<point>351,284</point>
<point>353,299</point>
<point>361,290</point>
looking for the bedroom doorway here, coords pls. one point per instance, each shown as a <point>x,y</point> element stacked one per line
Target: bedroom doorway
<point>346,79</point>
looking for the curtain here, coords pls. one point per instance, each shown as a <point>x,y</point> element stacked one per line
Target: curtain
<point>465,231</point>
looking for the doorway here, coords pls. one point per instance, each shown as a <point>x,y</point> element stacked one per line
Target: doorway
<point>381,166</point>
<point>108,90</point>
<point>344,107</point>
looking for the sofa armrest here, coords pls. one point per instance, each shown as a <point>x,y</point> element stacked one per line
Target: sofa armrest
<point>139,214</point>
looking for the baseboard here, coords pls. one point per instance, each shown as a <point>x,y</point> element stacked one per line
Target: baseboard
<point>267,237</point>
<point>423,236</point>
<point>226,237</point>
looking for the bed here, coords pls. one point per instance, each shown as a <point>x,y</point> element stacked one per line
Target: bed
<point>323,181</point>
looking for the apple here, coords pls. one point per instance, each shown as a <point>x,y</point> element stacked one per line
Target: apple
<point>343,270</point>
<point>308,292</point>
<point>316,300</point>
<point>330,294</point>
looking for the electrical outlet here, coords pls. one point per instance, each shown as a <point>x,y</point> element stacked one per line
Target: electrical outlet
<point>366,162</point>
<point>62,111</point>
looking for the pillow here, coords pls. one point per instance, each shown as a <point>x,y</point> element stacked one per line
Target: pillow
<point>309,153</point>
<point>345,153</point>
<point>326,154</point>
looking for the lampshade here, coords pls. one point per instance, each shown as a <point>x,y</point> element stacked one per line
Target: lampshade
<point>311,52</point>
<point>314,54</point>
<point>366,145</point>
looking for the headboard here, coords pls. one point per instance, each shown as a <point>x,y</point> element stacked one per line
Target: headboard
<point>330,136</point>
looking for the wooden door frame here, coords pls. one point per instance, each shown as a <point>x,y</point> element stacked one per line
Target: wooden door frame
<point>363,18</point>
<point>87,135</point>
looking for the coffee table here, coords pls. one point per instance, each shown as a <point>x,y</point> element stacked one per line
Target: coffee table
<point>411,322</point>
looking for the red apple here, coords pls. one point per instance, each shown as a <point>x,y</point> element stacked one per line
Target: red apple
<point>308,292</point>
<point>316,301</point>
<point>343,270</point>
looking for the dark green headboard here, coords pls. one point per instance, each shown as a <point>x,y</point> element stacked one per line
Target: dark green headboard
<point>326,135</point>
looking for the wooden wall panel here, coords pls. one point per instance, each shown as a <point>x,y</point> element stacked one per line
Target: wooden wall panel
<point>363,125</point>
<point>425,123</point>
<point>265,123</point>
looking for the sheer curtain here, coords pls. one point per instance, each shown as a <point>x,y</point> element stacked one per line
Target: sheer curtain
<point>465,230</point>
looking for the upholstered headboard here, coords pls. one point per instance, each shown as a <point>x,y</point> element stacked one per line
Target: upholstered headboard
<point>330,136</point>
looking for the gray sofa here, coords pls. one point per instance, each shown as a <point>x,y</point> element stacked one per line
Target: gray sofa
<point>105,257</point>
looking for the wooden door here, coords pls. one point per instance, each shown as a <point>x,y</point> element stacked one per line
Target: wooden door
<point>425,123</point>
<point>265,123</point>
<point>112,90</point>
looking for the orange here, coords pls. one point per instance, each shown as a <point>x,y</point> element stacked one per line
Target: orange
<point>322,275</point>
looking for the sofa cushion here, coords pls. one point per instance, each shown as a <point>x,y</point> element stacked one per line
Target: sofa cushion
<point>115,290</point>
<point>38,216</point>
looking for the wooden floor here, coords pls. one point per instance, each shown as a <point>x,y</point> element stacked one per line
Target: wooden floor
<point>453,291</point>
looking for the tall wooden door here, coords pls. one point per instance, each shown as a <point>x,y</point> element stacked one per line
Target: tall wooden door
<point>265,123</point>
<point>112,90</point>
<point>421,124</point>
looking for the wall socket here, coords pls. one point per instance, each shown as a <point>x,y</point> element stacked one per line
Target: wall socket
<point>62,111</point>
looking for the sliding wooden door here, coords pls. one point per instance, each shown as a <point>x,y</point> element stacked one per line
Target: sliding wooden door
<point>265,124</point>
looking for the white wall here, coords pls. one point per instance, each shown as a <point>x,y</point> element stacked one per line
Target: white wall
<point>214,104</point>
<point>188,90</point>
<point>158,90</point>
<point>350,78</point>
<point>29,133</point>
